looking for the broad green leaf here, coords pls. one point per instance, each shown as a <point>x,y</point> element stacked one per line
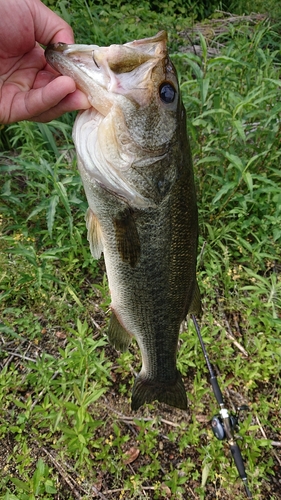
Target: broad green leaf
<point>276,233</point>
<point>205,473</point>
<point>27,253</point>
<point>204,87</point>
<point>54,252</point>
<point>38,476</point>
<point>211,112</point>
<point>26,278</point>
<point>81,439</point>
<point>196,68</point>
<point>235,160</point>
<point>20,484</point>
<point>64,199</point>
<point>48,136</point>
<point>70,406</point>
<point>96,394</point>
<point>65,14</point>
<point>39,275</point>
<point>272,80</point>
<point>254,158</point>
<point>40,466</point>
<point>63,196</point>
<point>229,186</point>
<point>49,487</point>
<point>203,45</point>
<point>70,290</point>
<point>6,189</point>
<point>38,209</point>
<point>240,129</point>
<point>208,159</point>
<point>77,393</point>
<point>249,181</point>
<point>225,59</point>
<point>53,201</point>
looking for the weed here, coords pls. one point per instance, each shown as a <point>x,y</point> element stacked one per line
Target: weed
<point>64,392</point>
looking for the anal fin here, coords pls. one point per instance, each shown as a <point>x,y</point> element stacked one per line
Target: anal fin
<point>117,335</point>
<point>94,234</point>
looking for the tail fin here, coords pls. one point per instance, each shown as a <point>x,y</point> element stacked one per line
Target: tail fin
<point>146,390</point>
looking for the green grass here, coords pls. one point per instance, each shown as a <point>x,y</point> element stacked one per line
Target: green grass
<point>66,428</point>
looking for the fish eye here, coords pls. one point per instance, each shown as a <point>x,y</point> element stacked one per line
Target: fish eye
<point>167,92</point>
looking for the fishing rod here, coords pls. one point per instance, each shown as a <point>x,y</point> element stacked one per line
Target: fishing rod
<point>224,424</point>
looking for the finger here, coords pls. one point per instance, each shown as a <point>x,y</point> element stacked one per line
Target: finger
<point>71,102</point>
<point>49,27</point>
<point>27,105</point>
<point>44,77</point>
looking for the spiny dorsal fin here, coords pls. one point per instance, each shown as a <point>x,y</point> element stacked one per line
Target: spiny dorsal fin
<point>117,335</point>
<point>94,234</point>
<point>128,242</point>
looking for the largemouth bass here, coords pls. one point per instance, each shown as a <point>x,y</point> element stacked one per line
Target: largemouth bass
<point>135,162</point>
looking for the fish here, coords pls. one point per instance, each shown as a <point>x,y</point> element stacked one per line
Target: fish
<point>134,158</point>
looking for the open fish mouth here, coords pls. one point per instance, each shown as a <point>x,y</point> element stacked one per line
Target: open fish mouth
<point>104,72</point>
<point>121,82</point>
<point>77,61</point>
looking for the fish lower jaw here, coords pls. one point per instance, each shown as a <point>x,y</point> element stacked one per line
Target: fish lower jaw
<point>100,108</point>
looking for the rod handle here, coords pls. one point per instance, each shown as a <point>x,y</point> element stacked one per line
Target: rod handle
<point>237,457</point>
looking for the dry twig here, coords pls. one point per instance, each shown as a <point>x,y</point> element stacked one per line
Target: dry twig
<point>212,29</point>
<point>74,486</point>
<point>265,436</point>
<point>230,335</point>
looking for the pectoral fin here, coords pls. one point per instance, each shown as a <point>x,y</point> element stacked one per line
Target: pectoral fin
<point>117,335</point>
<point>94,234</point>
<point>128,242</point>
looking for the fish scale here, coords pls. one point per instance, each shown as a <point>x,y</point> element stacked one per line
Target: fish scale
<point>135,163</point>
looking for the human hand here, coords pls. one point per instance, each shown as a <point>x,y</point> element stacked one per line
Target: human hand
<point>29,88</point>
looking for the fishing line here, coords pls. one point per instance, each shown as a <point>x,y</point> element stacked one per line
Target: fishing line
<point>224,424</point>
